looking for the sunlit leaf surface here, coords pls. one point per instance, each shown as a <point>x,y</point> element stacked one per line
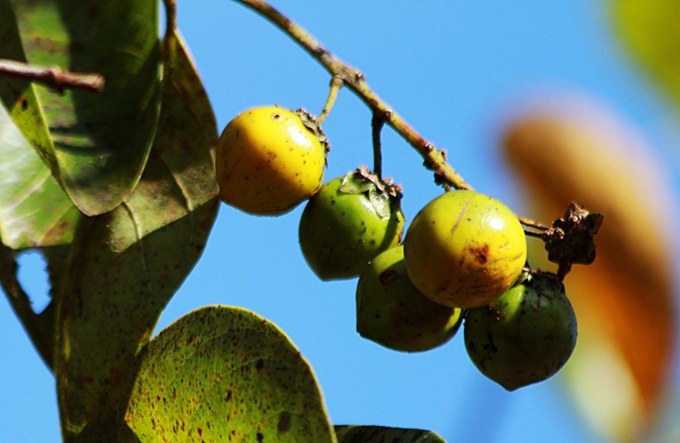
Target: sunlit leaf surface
<point>226,374</point>
<point>127,263</point>
<point>96,144</point>
<point>34,210</point>
<point>625,302</point>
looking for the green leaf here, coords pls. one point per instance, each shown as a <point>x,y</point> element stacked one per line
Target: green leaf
<point>649,31</point>
<point>96,144</point>
<point>226,374</point>
<point>18,95</point>
<point>380,201</point>
<point>34,210</point>
<point>380,434</point>
<point>126,264</point>
<point>362,181</point>
<point>355,183</point>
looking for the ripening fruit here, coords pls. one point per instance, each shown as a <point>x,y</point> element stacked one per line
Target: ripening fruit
<point>525,336</point>
<point>348,222</point>
<point>464,249</point>
<point>394,314</point>
<point>268,160</point>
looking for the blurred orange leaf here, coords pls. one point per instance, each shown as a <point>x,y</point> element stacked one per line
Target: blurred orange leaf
<point>624,301</point>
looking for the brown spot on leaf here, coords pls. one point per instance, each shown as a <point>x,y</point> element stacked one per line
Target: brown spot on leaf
<point>388,276</point>
<point>284,422</point>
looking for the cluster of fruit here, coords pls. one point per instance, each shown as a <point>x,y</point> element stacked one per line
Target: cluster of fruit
<point>463,255</point>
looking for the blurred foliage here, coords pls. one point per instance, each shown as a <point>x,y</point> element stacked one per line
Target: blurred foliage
<point>625,302</point>
<point>648,29</point>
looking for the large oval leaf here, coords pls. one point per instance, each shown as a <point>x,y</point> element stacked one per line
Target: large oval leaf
<point>649,30</point>
<point>95,144</point>
<point>226,374</point>
<point>126,264</point>
<point>625,301</point>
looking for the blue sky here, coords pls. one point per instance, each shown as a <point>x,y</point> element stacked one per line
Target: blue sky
<point>452,69</point>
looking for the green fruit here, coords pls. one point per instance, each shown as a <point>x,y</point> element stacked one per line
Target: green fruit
<point>394,314</point>
<point>526,336</point>
<point>464,249</point>
<point>348,222</point>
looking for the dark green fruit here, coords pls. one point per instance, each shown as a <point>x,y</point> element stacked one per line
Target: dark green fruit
<point>348,222</point>
<point>525,336</point>
<point>393,313</point>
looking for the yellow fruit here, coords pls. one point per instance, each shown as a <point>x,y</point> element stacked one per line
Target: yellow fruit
<point>268,161</point>
<point>464,249</point>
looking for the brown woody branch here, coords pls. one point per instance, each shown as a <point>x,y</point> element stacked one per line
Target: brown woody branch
<point>355,80</point>
<point>52,76</point>
<point>434,158</point>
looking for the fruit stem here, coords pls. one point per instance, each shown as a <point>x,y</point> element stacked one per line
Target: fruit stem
<point>377,123</point>
<point>539,227</point>
<point>435,159</point>
<point>336,84</point>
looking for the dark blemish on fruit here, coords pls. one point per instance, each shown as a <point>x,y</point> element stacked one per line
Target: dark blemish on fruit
<point>481,254</point>
<point>260,437</point>
<point>388,276</point>
<point>24,104</point>
<point>259,365</point>
<point>276,116</point>
<point>284,422</point>
<point>228,396</point>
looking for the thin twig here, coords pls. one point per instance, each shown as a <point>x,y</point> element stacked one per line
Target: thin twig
<point>336,84</point>
<point>52,76</point>
<point>435,159</point>
<point>541,228</point>
<point>377,123</point>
